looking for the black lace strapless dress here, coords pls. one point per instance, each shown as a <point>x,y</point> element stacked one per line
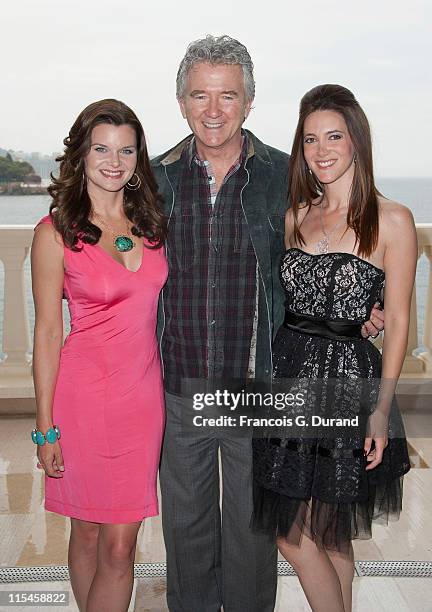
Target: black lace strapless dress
<point>319,485</point>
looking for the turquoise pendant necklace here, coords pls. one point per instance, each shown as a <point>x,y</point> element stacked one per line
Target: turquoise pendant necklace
<point>122,242</point>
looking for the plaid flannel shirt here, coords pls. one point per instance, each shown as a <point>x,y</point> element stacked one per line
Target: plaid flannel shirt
<point>210,295</point>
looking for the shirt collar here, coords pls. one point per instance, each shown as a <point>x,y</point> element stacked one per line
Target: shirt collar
<point>247,150</point>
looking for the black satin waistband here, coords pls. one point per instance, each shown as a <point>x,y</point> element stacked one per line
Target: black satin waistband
<point>335,330</point>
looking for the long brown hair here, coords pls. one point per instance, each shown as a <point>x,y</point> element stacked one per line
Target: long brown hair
<point>304,187</point>
<point>71,205</point>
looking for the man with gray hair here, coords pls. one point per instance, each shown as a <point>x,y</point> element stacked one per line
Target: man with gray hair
<point>225,195</point>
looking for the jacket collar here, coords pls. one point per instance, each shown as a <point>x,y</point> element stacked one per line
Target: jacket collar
<point>256,148</point>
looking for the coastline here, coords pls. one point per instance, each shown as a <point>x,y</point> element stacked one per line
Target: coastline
<point>18,190</point>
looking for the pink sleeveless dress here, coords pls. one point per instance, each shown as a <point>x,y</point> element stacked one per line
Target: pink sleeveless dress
<point>108,400</point>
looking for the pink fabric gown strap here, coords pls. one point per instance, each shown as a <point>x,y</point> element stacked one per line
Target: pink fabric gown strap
<point>46,219</point>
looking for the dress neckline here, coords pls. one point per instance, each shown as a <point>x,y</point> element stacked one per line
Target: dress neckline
<point>120,264</point>
<point>336,253</point>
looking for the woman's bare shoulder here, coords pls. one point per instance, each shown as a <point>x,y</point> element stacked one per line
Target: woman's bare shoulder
<point>289,221</point>
<point>289,215</point>
<point>47,237</point>
<point>393,213</point>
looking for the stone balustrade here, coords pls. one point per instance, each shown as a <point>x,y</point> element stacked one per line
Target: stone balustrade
<point>424,236</point>
<point>15,368</point>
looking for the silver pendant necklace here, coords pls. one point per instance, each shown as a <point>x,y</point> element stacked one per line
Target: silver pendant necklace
<point>322,246</point>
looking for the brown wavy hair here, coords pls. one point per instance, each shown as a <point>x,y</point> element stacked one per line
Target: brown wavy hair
<point>304,187</point>
<point>71,206</point>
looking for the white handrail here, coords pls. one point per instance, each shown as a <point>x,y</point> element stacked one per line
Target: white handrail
<point>15,371</point>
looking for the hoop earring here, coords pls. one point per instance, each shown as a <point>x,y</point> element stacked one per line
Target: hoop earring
<point>136,185</point>
<point>355,158</point>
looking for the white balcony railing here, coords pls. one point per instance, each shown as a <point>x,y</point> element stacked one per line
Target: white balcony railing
<point>15,370</point>
<point>420,360</point>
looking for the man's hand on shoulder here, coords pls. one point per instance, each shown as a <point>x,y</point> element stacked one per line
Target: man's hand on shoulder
<point>375,325</point>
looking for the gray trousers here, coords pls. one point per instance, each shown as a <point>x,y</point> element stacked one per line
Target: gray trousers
<point>212,560</point>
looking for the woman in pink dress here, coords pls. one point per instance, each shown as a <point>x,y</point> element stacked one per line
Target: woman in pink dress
<point>100,413</point>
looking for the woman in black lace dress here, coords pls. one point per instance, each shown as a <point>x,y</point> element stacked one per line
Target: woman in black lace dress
<point>347,246</point>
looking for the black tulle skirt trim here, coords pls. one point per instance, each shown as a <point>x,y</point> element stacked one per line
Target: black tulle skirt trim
<point>329,525</point>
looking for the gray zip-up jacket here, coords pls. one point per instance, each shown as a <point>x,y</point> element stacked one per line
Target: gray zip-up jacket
<point>264,203</point>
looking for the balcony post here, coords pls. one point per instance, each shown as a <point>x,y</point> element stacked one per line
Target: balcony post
<point>426,355</point>
<point>16,334</point>
<point>412,364</point>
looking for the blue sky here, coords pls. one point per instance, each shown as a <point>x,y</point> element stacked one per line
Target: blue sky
<point>60,56</point>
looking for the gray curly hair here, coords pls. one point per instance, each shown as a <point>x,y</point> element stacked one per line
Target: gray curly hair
<point>216,50</point>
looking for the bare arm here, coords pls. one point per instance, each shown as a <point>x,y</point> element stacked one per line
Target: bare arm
<point>400,260</point>
<point>47,283</point>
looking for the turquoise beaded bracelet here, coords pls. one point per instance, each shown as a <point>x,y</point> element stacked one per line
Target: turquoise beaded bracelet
<point>51,436</point>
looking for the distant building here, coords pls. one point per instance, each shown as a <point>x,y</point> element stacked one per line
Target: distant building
<point>32,179</point>
<point>43,164</point>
